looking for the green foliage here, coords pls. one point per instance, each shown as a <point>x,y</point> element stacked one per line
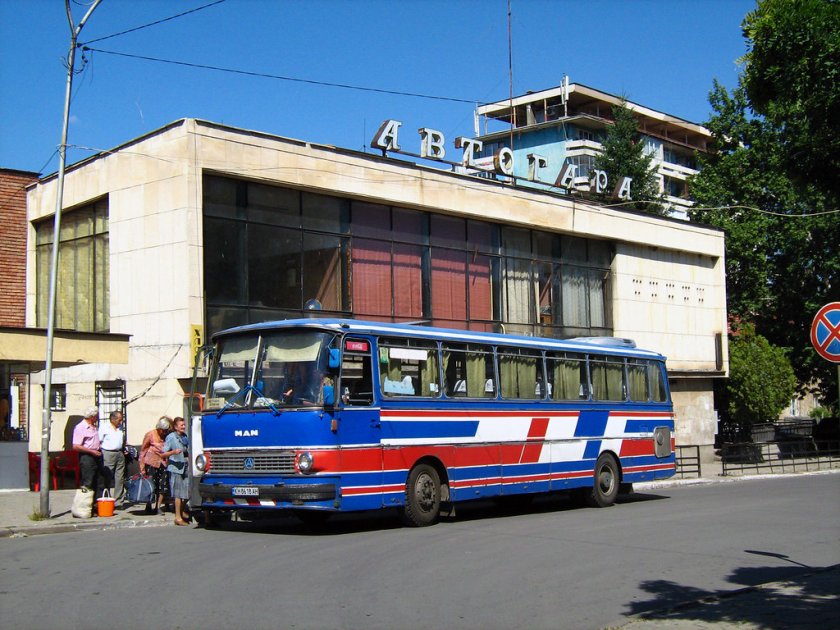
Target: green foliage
<point>779,214</point>
<point>623,155</point>
<point>761,380</point>
<point>792,77</point>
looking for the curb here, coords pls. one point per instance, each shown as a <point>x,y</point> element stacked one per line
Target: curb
<point>669,483</point>
<point>62,528</point>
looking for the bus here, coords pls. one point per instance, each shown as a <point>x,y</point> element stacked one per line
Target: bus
<point>317,416</point>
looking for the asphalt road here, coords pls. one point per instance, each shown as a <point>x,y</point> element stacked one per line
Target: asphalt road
<point>549,566</point>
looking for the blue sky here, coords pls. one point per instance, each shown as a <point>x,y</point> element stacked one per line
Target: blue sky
<point>661,53</point>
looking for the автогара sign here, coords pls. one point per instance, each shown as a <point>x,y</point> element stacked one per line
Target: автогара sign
<point>432,148</point>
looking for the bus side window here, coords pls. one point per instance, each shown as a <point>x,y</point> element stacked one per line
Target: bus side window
<point>518,370</point>
<point>637,381</point>
<point>409,367</point>
<point>356,374</point>
<point>659,388</point>
<point>607,378</point>
<point>567,374</point>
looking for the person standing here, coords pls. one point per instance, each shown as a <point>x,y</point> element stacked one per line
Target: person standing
<point>176,450</point>
<point>86,443</point>
<point>112,439</point>
<point>152,464</point>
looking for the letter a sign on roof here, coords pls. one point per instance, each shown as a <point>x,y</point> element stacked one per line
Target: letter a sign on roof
<point>825,332</point>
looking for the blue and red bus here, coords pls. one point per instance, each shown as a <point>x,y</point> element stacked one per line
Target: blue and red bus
<point>318,416</point>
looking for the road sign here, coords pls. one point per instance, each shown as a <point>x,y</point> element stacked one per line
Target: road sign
<point>825,332</point>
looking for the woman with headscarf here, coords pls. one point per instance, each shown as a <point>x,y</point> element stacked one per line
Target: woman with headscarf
<point>152,462</point>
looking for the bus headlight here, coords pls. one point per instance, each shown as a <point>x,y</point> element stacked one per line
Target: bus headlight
<point>305,462</point>
<point>200,462</point>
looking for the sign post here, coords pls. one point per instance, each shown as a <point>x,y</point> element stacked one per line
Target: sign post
<point>825,335</point>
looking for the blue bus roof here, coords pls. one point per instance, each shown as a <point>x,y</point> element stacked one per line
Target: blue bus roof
<point>599,345</point>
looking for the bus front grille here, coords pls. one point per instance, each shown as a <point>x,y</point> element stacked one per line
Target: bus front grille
<point>260,462</point>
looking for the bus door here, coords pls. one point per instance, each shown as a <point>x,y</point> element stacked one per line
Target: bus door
<point>359,427</point>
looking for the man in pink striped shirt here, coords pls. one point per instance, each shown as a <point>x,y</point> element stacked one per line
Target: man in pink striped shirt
<point>86,443</point>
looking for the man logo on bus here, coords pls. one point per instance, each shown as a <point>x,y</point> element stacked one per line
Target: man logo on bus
<point>246,433</point>
<point>249,463</point>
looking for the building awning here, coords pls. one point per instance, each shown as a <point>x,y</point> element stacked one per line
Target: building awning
<point>29,346</point>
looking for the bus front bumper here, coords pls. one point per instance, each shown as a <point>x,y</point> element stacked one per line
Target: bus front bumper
<point>255,493</point>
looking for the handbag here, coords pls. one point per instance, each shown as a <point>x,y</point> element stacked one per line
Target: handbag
<point>82,506</point>
<point>140,489</point>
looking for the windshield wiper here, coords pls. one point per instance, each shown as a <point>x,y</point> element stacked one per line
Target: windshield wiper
<point>245,390</point>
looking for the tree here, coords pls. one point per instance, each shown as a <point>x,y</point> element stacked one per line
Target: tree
<point>623,155</point>
<point>792,78</point>
<point>782,227</point>
<point>761,380</point>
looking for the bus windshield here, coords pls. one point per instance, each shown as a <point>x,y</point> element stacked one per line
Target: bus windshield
<point>276,369</point>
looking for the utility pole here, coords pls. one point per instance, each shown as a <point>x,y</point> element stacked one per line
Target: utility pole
<point>59,198</point>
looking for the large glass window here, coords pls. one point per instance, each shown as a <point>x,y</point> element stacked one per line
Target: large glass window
<point>83,287</point>
<point>269,250</point>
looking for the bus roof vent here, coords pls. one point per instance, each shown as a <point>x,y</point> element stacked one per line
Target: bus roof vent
<point>613,342</point>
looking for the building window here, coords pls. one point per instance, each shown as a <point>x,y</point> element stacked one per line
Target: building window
<point>82,291</point>
<point>58,397</point>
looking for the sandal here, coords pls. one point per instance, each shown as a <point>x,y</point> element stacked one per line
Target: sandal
<point>178,521</point>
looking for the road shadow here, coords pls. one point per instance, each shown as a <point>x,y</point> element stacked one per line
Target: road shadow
<point>770,597</point>
<point>344,523</point>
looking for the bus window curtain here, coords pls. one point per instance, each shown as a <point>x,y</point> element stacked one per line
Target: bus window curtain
<point>615,381</point>
<point>527,371</point>
<point>429,385</point>
<point>507,376</point>
<point>637,375</point>
<point>566,379</point>
<point>599,380</point>
<point>476,370</point>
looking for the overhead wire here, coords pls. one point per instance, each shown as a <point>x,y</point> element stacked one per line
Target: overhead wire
<point>279,77</point>
<point>155,23</point>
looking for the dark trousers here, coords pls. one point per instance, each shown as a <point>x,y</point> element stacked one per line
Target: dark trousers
<point>91,471</point>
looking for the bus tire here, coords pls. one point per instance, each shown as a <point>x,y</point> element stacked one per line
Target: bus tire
<point>422,496</point>
<point>605,482</point>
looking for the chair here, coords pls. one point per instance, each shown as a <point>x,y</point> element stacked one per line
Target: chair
<point>35,472</point>
<point>64,462</point>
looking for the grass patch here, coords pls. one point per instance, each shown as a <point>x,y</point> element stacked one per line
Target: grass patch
<point>37,516</point>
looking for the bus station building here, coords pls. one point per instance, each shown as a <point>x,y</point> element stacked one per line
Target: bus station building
<point>198,226</point>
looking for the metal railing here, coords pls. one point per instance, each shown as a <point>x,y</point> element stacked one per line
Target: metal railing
<point>688,462</point>
<point>788,455</point>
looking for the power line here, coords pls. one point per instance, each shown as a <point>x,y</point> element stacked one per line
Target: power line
<point>138,28</point>
<point>283,78</point>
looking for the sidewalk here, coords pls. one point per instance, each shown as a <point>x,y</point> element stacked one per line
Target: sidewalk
<point>18,506</point>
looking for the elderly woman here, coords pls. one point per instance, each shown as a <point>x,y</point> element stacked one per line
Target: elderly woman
<point>153,463</point>
<point>177,456</point>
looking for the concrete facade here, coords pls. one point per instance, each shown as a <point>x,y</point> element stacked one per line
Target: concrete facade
<point>668,290</point>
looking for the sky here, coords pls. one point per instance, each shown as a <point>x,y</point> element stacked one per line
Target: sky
<point>664,54</point>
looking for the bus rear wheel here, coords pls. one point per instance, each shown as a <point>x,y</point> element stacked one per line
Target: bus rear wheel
<point>606,482</point>
<point>422,496</point>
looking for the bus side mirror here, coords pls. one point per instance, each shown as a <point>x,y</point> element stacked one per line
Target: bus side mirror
<point>335,359</point>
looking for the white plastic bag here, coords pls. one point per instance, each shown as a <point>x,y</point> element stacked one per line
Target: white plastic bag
<point>82,503</point>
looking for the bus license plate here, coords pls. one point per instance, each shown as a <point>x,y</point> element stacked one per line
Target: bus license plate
<point>245,491</point>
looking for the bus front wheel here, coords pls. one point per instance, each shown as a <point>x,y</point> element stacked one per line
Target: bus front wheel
<point>422,496</point>
<point>606,482</point>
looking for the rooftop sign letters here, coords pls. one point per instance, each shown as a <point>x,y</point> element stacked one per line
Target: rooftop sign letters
<point>432,147</point>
